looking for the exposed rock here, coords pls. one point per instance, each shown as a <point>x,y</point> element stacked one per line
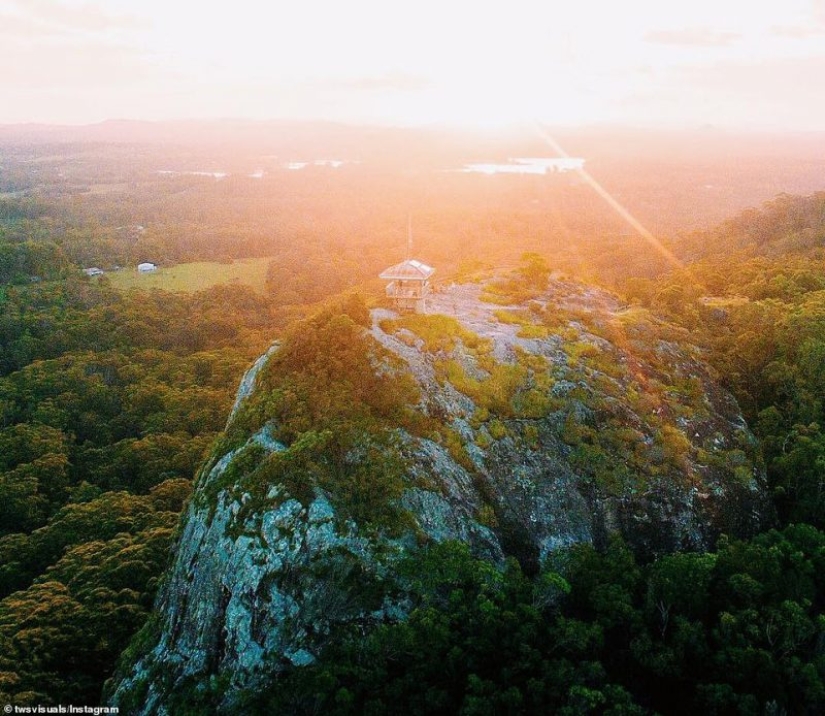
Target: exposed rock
<point>557,421</point>
<point>248,381</point>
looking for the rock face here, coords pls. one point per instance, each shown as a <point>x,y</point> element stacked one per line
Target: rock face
<point>530,424</point>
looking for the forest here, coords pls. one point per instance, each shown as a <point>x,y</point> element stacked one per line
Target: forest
<point>110,401</point>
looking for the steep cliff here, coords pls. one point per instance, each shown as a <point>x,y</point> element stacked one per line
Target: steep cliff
<point>517,424</point>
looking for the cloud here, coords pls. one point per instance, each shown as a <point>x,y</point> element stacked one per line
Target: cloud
<point>46,45</point>
<point>387,82</point>
<point>811,25</point>
<point>53,17</point>
<point>796,78</point>
<point>65,64</point>
<point>797,32</point>
<point>693,37</point>
<point>780,92</point>
<point>17,26</point>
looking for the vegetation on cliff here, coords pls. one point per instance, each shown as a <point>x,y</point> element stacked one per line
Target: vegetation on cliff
<point>332,400</point>
<point>595,633</point>
<point>761,326</point>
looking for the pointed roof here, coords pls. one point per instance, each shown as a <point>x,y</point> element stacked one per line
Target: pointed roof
<point>409,270</point>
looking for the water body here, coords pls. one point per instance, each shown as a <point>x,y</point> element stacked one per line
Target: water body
<point>333,163</point>
<point>214,175</point>
<point>529,165</point>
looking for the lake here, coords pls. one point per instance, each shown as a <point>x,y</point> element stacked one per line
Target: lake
<point>528,165</point>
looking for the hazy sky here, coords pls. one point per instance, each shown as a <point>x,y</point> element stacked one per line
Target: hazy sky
<point>725,62</point>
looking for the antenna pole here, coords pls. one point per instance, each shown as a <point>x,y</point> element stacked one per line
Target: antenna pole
<point>409,236</point>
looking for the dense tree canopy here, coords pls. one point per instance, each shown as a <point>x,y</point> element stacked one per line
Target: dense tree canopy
<point>735,631</point>
<point>108,405</point>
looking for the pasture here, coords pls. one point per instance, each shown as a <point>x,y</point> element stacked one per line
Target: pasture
<point>194,276</point>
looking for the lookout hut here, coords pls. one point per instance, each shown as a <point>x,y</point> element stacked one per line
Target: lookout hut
<point>409,284</point>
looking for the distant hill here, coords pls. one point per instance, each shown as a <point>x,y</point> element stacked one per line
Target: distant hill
<point>671,181</point>
<point>785,225</point>
<point>604,142</point>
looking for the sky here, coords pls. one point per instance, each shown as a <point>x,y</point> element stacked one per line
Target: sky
<point>480,63</point>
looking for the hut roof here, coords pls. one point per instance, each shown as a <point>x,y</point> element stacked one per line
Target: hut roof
<point>407,270</point>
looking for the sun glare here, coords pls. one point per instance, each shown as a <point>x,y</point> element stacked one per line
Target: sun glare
<point>478,65</point>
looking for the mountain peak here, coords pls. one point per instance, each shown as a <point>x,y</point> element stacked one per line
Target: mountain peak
<point>518,416</point>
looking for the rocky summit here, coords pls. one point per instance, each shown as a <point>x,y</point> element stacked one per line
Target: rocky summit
<point>518,416</point>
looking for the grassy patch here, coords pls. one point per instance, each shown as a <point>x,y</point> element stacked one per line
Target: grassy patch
<point>196,276</point>
<point>494,393</point>
<point>532,331</point>
<point>511,317</point>
<point>525,283</point>
<point>578,350</point>
<point>438,332</point>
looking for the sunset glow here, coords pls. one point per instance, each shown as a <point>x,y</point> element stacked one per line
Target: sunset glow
<point>487,64</point>
<point>613,202</point>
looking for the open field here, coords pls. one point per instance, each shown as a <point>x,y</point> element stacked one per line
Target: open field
<point>195,276</point>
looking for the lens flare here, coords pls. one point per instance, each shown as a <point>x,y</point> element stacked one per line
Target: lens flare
<point>613,203</point>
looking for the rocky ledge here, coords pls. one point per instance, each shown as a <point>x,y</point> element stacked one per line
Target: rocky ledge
<point>518,421</point>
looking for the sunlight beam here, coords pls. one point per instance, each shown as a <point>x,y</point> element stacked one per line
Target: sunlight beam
<point>613,203</point>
